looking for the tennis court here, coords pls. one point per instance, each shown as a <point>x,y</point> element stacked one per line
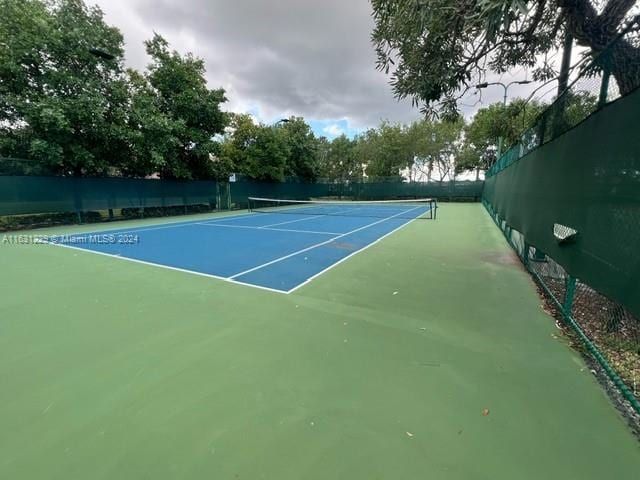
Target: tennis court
<point>280,245</point>
<point>426,355</point>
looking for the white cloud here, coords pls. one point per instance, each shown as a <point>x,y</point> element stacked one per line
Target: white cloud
<point>291,57</point>
<point>333,130</point>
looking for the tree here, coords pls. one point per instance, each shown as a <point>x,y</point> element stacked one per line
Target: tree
<point>59,104</point>
<point>492,122</point>
<point>342,164</point>
<point>258,151</point>
<point>323,159</point>
<point>386,150</point>
<point>149,131</point>
<point>193,109</point>
<point>266,157</point>
<point>438,145</point>
<point>436,49</point>
<point>75,111</point>
<point>302,144</point>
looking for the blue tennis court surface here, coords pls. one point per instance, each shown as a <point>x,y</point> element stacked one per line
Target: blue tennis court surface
<point>279,250</point>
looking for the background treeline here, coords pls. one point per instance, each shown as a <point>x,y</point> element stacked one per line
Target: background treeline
<point>70,107</point>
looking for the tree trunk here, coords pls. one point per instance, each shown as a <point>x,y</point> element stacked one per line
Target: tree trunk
<point>598,31</point>
<point>623,60</point>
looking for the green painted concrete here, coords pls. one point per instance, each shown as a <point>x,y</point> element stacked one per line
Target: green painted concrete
<point>379,369</point>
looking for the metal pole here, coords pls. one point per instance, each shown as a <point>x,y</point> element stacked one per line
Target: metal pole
<point>604,88</point>
<point>569,295</point>
<point>504,106</point>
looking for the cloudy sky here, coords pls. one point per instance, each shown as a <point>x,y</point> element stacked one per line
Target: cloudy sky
<point>277,58</point>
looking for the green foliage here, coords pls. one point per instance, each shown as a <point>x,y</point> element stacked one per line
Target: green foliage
<point>266,156</point>
<point>343,163</point>
<point>490,124</point>
<point>271,153</point>
<point>578,106</point>
<point>59,104</point>
<point>302,149</point>
<point>75,112</point>
<point>437,147</point>
<point>259,152</point>
<point>192,109</point>
<point>148,131</point>
<point>386,150</point>
<point>436,49</point>
<point>339,160</point>
<point>424,150</point>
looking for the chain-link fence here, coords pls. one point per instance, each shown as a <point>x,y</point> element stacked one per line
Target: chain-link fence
<point>606,332</point>
<point>612,73</point>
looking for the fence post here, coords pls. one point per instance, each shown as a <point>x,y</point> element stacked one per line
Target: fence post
<point>77,198</point>
<point>569,295</point>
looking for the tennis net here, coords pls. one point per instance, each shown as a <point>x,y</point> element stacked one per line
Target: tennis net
<point>422,208</point>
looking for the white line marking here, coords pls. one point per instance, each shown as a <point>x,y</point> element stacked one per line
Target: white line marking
<point>292,221</point>
<point>183,270</point>
<point>319,244</point>
<point>232,278</point>
<point>316,275</point>
<point>295,211</point>
<point>160,226</point>
<point>265,228</point>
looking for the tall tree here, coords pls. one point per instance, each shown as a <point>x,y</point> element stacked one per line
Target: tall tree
<point>437,148</point>
<point>257,151</point>
<point>495,121</point>
<point>194,110</point>
<point>148,133</point>
<point>342,162</point>
<point>302,145</point>
<point>60,105</point>
<point>386,150</point>
<point>436,49</point>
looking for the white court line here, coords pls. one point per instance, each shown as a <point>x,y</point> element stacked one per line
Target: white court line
<point>320,244</point>
<point>177,269</point>
<point>310,216</point>
<point>232,278</point>
<point>293,221</point>
<point>161,226</point>
<point>265,228</point>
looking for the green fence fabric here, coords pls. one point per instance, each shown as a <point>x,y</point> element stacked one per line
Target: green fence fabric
<point>241,190</point>
<point>587,179</point>
<point>31,194</point>
<point>359,190</point>
<point>380,190</point>
<point>26,194</point>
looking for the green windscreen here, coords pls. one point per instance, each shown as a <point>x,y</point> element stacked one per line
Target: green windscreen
<point>32,194</point>
<point>587,180</point>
